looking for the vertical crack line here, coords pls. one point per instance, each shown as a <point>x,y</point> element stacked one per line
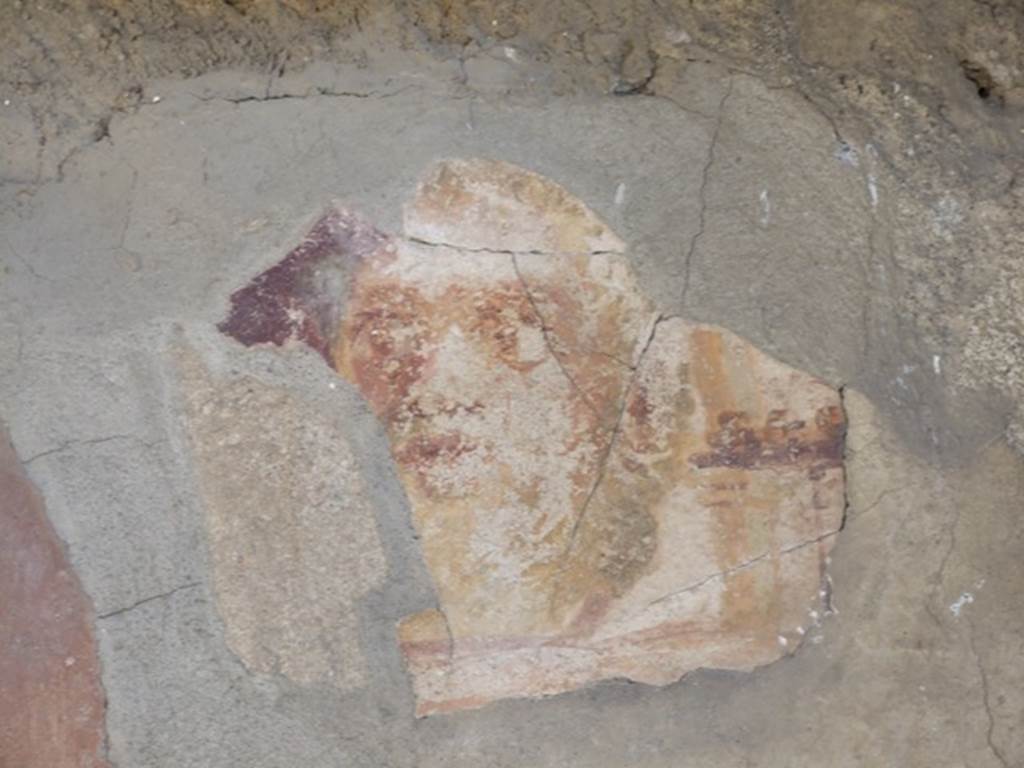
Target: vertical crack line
<point>616,429</point>
<point>841,389</point>
<point>546,333</point>
<point>985,700</point>
<point>448,631</point>
<point>702,195</point>
<point>940,574</point>
<point>825,576</point>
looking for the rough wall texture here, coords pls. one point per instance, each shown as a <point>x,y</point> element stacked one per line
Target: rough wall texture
<point>835,182</point>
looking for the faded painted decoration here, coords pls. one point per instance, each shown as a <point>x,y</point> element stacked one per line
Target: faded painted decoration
<point>599,490</point>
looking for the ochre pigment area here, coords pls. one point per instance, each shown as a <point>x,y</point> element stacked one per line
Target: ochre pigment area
<point>600,491</point>
<point>51,700</point>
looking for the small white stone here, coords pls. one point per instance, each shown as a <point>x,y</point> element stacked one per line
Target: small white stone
<point>7,102</point>
<point>678,37</point>
<point>69,661</point>
<point>156,99</point>
<point>783,641</point>
<point>801,631</point>
<point>766,207</point>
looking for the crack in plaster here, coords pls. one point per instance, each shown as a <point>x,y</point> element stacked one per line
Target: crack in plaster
<point>545,331</point>
<point>745,565</point>
<point>616,429</point>
<point>320,92</point>
<point>499,252</point>
<point>66,444</point>
<point>63,446</point>
<point>143,601</point>
<point>702,195</point>
<point>985,699</point>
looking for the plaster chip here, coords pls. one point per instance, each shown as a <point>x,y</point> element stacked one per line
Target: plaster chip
<point>51,699</point>
<point>292,538</point>
<point>599,491</point>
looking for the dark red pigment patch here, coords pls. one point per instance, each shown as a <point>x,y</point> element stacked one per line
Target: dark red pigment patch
<point>777,443</point>
<point>51,701</point>
<point>298,297</point>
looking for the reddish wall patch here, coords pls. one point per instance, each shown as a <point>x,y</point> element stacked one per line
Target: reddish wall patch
<point>298,297</point>
<point>51,702</point>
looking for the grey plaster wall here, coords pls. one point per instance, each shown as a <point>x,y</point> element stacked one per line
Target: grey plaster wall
<point>740,205</point>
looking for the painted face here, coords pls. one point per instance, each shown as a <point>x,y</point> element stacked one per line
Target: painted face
<point>598,490</point>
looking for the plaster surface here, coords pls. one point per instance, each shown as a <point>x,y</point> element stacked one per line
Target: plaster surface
<point>767,176</point>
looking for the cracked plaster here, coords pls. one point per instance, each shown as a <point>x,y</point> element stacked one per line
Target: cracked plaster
<point>493,337</point>
<point>180,200</point>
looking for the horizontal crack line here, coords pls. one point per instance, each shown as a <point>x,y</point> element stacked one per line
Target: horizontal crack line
<point>73,443</point>
<point>151,598</point>
<point>316,94</point>
<point>742,566</point>
<point>499,252</point>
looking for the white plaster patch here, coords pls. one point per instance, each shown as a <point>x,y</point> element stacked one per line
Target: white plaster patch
<point>960,603</point>
<point>620,193</point>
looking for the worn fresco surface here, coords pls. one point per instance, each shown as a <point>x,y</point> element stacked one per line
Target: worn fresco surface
<point>599,490</point>
<point>448,384</point>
